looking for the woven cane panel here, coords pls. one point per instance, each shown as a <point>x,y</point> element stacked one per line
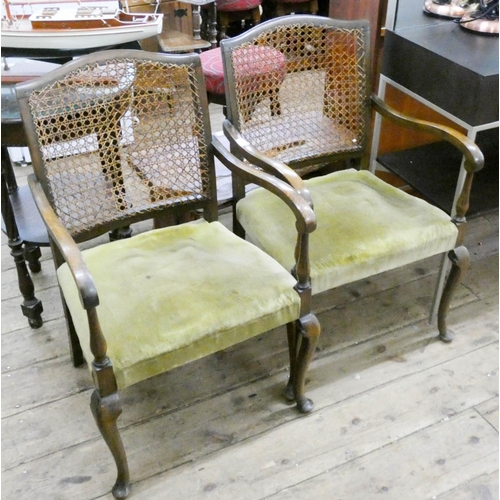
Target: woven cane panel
<point>317,107</point>
<point>120,138</point>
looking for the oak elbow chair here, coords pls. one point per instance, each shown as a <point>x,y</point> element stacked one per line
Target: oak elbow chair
<point>322,115</point>
<point>122,137</point>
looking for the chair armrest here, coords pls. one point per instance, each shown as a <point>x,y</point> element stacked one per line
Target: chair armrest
<point>474,159</point>
<point>473,156</point>
<point>270,165</point>
<point>304,214</point>
<point>66,245</point>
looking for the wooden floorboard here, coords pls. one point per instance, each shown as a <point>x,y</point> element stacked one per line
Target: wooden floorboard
<point>398,414</point>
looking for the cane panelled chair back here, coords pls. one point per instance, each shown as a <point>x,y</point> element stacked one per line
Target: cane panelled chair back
<point>319,113</point>
<point>115,143</point>
<point>117,138</point>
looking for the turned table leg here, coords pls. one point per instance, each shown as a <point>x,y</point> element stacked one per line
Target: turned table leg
<point>31,307</point>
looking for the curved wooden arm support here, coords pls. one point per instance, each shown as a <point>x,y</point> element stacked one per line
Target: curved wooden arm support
<point>67,247</point>
<point>304,214</point>
<point>271,165</point>
<point>474,159</point>
<point>302,272</point>
<point>473,156</point>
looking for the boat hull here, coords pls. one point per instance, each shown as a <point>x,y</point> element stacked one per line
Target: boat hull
<point>24,37</point>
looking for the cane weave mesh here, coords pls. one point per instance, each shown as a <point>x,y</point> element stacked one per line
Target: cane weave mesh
<point>120,138</point>
<point>317,107</point>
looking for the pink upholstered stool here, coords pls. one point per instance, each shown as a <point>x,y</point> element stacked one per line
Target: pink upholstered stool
<point>229,11</point>
<point>211,63</point>
<point>267,75</point>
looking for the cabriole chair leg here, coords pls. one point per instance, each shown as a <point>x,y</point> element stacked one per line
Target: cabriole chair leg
<point>460,261</point>
<point>293,342</point>
<point>106,411</point>
<point>308,330</point>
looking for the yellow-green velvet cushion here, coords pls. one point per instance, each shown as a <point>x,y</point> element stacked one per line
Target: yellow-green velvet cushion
<point>365,226</point>
<point>173,295</point>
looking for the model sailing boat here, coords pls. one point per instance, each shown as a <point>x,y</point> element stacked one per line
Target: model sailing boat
<point>77,24</point>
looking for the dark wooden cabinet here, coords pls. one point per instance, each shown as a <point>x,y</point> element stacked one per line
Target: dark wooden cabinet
<point>375,12</point>
<point>433,69</point>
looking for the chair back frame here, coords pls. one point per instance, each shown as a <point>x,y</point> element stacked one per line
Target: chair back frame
<point>125,135</point>
<point>318,50</point>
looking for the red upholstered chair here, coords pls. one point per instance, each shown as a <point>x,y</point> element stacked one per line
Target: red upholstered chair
<point>229,11</point>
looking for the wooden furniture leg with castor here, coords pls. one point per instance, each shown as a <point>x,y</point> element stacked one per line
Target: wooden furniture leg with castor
<point>31,307</point>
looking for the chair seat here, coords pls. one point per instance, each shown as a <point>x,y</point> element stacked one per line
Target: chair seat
<point>188,300</point>
<point>236,5</point>
<point>370,227</point>
<point>317,133</point>
<point>211,62</point>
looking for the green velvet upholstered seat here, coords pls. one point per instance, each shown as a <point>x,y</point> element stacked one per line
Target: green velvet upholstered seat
<point>364,227</point>
<point>173,295</point>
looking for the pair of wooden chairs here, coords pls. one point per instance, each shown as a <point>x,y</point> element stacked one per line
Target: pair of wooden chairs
<point>123,137</point>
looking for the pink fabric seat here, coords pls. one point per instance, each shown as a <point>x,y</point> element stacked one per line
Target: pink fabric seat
<point>211,62</point>
<point>256,67</point>
<point>236,5</point>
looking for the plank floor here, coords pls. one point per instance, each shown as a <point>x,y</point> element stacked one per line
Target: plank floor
<point>399,415</point>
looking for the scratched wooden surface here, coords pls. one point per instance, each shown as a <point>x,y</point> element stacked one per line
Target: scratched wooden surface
<point>398,414</point>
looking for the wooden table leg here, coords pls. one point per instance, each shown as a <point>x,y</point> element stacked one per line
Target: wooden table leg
<point>31,307</point>
<point>196,22</point>
<point>212,24</point>
<point>32,254</point>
